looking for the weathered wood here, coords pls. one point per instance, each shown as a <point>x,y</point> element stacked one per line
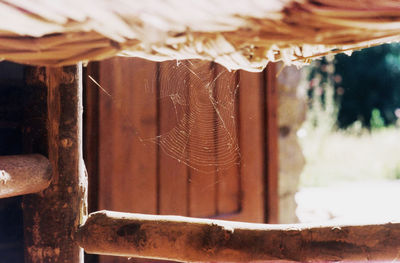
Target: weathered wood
<point>226,126</point>
<point>91,132</point>
<point>252,146</point>
<point>272,150</point>
<point>201,140</point>
<point>195,240</point>
<point>91,93</point>
<point>128,120</point>
<point>23,174</point>
<point>52,217</point>
<point>173,174</point>
<point>231,192</point>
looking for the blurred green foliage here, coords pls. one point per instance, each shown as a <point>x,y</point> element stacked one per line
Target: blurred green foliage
<point>366,86</point>
<point>376,121</point>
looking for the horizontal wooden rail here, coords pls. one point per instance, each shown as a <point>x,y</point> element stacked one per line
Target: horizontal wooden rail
<point>190,240</point>
<point>23,174</point>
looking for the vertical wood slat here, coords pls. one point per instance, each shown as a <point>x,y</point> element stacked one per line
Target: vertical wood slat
<point>105,136</point>
<point>91,139</point>
<point>173,196</point>
<point>91,132</point>
<point>202,184</point>
<point>128,118</point>
<point>229,188</point>
<point>272,135</point>
<point>252,146</point>
<point>52,217</point>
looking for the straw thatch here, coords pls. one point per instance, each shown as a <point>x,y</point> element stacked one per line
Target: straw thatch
<point>236,33</point>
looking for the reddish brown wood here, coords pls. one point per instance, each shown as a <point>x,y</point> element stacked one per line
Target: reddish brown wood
<point>127,120</point>
<point>272,155</point>
<point>214,192</point>
<point>91,138</point>
<point>203,177</point>
<point>228,180</point>
<point>173,175</point>
<point>234,192</point>
<point>91,132</point>
<point>52,217</point>
<point>128,126</point>
<point>252,146</point>
<point>23,174</point>
<point>200,240</point>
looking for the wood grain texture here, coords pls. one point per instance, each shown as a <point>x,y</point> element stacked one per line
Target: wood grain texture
<point>228,191</point>
<point>127,118</point>
<point>228,176</point>
<point>202,145</point>
<point>272,135</point>
<point>127,124</point>
<point>173,174</point>
<point>52,217</point>
<point>91,101</point>
<point>91,94</point>
<point>200,240</point>
<point>252,147</point>
<point>167,185</point>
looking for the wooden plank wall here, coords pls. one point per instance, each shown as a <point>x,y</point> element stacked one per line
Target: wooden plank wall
<point>142,111</point>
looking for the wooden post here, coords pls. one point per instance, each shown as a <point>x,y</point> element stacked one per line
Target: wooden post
<point>23,174</point>
<point>202,240</point>
<point>52,217</point>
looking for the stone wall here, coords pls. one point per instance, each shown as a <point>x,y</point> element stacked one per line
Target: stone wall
<point>291,115</point>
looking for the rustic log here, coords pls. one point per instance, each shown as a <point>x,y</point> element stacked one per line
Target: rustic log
<point>194,240</point>
<point>52,217</point>
<point>23,174</point>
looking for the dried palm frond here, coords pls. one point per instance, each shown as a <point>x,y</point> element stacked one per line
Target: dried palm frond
<point>236,33</point>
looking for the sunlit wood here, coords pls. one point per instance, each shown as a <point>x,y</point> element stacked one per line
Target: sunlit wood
<point>201,240</point>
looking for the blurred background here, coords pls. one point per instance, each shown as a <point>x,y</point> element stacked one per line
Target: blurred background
<point>351,137</point>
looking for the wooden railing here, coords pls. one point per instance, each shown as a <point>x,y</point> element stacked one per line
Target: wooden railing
<point>202,240</point>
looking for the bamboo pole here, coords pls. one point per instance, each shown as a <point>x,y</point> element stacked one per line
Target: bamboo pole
<point>52,217</point>
<point>195,240</point>
<point>23,174</point>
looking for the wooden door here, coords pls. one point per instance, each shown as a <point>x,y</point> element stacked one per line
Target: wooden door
<point>180,137</point>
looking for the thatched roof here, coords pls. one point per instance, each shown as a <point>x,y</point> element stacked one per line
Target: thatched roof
<point>236,33</point>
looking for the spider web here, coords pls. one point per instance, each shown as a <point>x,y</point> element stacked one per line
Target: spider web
<point>203,96</point>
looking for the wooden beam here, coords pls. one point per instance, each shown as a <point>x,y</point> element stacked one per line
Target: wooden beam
<point>195,240</point>
<point>23,174</point>
<point>52,217</point>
